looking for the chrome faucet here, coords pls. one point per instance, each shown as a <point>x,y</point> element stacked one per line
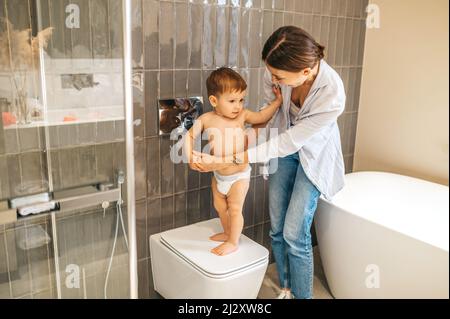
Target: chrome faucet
<point>78,81</point>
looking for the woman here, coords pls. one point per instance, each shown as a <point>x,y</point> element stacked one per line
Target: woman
<point>306,152</point>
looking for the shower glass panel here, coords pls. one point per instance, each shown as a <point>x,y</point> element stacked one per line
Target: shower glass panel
<point>62,138</point>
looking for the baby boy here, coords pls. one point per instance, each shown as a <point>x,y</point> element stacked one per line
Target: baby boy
<point>224,127</point>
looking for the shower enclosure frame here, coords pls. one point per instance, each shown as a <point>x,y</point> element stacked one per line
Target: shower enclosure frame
<point>129,150</point>
<point>129,142</point>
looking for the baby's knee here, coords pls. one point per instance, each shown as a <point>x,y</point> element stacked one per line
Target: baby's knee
<point>235,210</point>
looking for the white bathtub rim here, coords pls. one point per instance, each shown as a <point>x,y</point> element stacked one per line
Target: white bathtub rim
<point>444,247</point>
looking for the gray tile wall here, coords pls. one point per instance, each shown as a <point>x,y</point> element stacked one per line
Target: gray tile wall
<point>26,273</point>
<point>84,239</point>
<point>80,154</point>
<point>176,44</point>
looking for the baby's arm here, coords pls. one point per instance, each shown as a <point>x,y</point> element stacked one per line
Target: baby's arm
<point>265,114</point>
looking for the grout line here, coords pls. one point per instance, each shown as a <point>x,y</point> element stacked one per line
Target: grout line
<point>71,42</point>
<point>256,67</point>
<point>91,33</point>
<point>174,47</point>
<point>7,262</point>
<point>108,11</point>
<point>48,260</point>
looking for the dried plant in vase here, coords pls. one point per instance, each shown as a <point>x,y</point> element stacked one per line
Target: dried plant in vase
<point>19,55</point>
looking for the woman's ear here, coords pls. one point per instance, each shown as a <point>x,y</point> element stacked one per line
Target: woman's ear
<point>213,100</point>
<point>306,72</point>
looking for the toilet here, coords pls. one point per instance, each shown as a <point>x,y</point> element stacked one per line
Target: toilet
<point>184,268</point>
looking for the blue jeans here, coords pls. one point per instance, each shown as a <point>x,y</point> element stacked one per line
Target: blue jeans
<point>292,204</point>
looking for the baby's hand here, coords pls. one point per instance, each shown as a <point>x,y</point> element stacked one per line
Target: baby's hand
<point>277,91</point>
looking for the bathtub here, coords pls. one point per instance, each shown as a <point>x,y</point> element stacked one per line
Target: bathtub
<point>385,236</point>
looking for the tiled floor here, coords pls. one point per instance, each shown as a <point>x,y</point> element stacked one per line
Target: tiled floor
<point>270,287</point>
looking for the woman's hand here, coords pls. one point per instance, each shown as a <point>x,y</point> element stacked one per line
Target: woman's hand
<point>203,162</point>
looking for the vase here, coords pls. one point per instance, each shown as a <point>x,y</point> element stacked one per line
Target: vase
<point>21,108</point>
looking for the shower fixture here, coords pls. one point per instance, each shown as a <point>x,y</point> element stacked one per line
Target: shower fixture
<point>120,182</point>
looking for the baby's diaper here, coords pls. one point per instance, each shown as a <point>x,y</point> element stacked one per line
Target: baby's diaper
<point>224,183</point>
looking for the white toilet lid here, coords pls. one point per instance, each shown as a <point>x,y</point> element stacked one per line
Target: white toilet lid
<point>192,243</point>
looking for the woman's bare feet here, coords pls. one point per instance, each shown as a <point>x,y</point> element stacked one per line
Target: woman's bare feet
<point>224,249</point>
<point>219,237</point>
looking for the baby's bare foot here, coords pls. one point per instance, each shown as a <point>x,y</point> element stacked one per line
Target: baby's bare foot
<point>224,249</point>
<point>219,237</point>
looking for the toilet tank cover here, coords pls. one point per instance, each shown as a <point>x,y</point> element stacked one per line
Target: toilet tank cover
<point>193,244</point>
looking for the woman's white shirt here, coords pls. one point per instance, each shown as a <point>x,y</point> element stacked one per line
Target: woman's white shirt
<point>314,134</point>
